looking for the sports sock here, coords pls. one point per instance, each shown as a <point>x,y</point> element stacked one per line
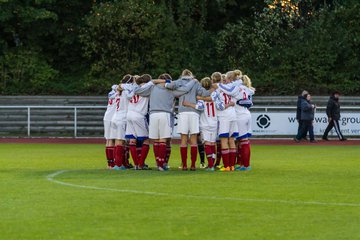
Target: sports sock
<point>126,155</point>
<point>200,147</point>
<point>156,152</point>
<point>239,156</point>
<point>245,152</point>
<point>225,157</point>
<point>218,153</point>
<point>162,154</point>
<point>119,155</point>
<point>209,155</point>
<point>232,157</point>
<point>109,151</point>
<point>168,152</point>
<point>194,151</point>
<point>133,152</point>
<point>144,152</point>
<point>183,153</point>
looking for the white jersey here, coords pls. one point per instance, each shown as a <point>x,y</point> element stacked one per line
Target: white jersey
<point>221,99</point>
<point>121,106</point>
<point>139,104</point>
<point>238,92</point>
<point>208,116</point>
<point>110,109</point>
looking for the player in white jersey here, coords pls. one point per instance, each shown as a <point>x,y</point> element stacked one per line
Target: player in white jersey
<point>110,110</point>
<point>208,123</point>
<point>242,93</point>
<point>137,127</point>
<point>118,125</point>
<point>228,129</point>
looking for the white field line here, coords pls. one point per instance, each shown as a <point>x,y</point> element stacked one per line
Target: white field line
<point>51,178</point>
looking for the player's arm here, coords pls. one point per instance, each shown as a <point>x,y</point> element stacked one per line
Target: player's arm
<point>144,90</point>
<point>329,108</point>
<point>200,91</point>
<point>184,89</point>
<point>231,104</point>
<point>229,89</point>
<point>198,106</point>
<point>206,99</point>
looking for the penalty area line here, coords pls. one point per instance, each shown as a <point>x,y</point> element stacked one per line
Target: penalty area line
<point>51,178</point>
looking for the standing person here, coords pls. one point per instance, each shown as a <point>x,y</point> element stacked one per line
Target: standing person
<point>110,110</point>
<point>118,125</point>
<point>208,123</point>
<point>161,112</point>
<point>333,113</point>
<point>298,111</point>
<point>188,118</point>
<point>307,116</point>
<point>137,129</point>
<point>242,92</point>
<point>228,129</point>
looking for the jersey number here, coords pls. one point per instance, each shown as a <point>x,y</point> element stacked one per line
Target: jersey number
<point>210,109</point>
<point>227,98</point>
<point>135,99</point>
<point>117,104</point>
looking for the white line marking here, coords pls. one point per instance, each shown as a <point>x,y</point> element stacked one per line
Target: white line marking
<point>51,178</point>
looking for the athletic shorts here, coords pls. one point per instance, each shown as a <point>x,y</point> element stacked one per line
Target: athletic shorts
<point>244,125</point>
<point>188,123</point>
<point>208,135</point>
<point>228,128</point>
<point>118,130</point>
<point>107,129</point>
<point>137,126</point>
<point>160,125</point>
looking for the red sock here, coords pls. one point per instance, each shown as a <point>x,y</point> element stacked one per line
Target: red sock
<point>209,155</point>
<point>245,152</point>
<point>138,152</point>
<point>239,156</point>
<point>119,155</point>
<point>218,153</point>
<point>194,151</point>
<point>126,155</point>
<point>225,157</point>
<point>232,157</point>
<point>162,154</point>
<point>168,152</point>
<point>183,152</point>
<point>134,154</point>
<point>110,155</point>
<point>156,152</point>
<point>144,152</point>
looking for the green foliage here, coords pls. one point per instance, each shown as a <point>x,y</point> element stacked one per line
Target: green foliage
<point>23,71</point>
<point>82,47</point>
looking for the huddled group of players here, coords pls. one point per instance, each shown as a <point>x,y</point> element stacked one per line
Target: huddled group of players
<point>215,110</point>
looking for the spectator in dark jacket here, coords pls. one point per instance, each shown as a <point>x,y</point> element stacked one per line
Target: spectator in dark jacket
<point>307,117</point>
<point>298,112</point>
<point>333,113</point>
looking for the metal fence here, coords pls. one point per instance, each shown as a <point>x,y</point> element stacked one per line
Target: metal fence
<point>76,108</point>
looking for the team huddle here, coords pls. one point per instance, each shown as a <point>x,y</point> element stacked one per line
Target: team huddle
<point>214,111</point>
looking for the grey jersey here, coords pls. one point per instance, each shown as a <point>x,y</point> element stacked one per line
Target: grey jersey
<point>162,99</point>
<point>190,96</point>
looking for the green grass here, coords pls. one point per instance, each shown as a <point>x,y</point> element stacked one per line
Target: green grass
<point>229,205</point>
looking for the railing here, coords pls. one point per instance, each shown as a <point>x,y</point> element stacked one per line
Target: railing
<point>51,107</point>
<point>75,108</point>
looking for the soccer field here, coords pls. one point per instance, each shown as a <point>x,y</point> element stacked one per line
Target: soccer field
<point>54,191</point>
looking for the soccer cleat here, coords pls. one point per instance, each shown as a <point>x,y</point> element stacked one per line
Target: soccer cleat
<point>232,168</point>
<point>119,168</point>
<point>210,169</point>
<point>313,141</point>
<point>248,168</point>
<point>296,140</point>
<point>225,169</point>
<point>202,165</point>
<point>145,167</point>
<point>160,169</point>
<point>184,168</point>
<point>218,167</point>
<point>325,139</point>
<point>343,139</point>
<point>130,166</point>
<point>244,168</point>
<point>166,167</point>
<point>193,169</point>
